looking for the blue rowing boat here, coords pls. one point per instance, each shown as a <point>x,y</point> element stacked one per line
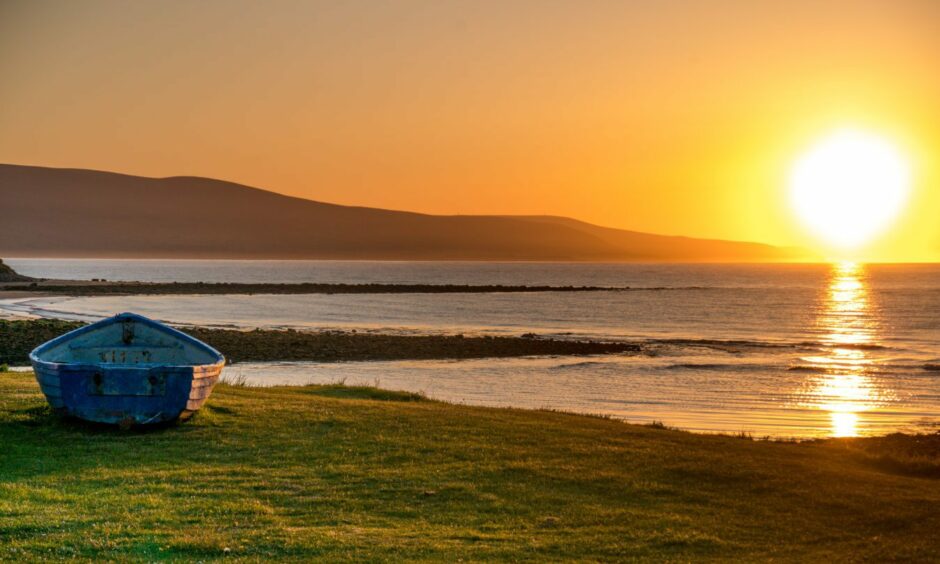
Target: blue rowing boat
<point>127,370</point>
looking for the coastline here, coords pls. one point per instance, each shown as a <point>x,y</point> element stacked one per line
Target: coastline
<point>44,288</point>
<point>745,357</point>
<point>18,337</point>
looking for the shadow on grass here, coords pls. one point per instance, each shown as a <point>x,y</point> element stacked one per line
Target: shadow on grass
<point>43,416</point>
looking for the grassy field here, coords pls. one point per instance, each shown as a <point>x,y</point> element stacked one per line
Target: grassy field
<point>360,474</point>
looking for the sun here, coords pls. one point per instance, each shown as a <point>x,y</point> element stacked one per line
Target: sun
<point>849,187</point>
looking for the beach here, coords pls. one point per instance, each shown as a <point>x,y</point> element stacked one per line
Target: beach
<point>783,351</point>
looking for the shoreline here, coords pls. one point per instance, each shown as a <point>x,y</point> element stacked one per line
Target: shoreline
<point>106,288</point>
<point>19,336</point>
<point>368,358</point>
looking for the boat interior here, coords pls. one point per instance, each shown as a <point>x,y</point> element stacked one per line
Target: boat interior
<point>128,342</point>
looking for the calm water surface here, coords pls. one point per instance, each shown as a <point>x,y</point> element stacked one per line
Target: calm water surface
<point>780,350</point>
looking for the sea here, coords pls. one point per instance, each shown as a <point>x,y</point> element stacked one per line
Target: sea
<point>768,350</point>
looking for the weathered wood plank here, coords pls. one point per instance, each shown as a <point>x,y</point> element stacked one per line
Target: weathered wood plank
<point>205,383</point>
<point>200,393</point>
<point>203,372</point>
<point>195,405</point>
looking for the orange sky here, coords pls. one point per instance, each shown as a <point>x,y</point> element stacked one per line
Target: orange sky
<point>678,117</point>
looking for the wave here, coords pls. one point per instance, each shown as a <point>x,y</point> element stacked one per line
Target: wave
<point>714,366</point>
<point>585,364</point>
<point>667,288</point>
<point>733,344</point>
<point>874,366</point>
<point>703,366</point>
<point>853,346</point>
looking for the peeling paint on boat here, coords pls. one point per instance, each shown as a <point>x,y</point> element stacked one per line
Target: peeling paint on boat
<point>127,370</point>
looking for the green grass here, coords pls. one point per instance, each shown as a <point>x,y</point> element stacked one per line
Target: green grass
<point>359,474</point>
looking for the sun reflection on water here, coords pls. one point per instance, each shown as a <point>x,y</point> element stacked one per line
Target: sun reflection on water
<point>844,385</point>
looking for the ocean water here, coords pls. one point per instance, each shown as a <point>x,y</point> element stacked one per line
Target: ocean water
<point>776,350</point>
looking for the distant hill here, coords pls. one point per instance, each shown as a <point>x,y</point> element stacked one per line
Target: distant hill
<point>85,213</point>
<point>7,274</point>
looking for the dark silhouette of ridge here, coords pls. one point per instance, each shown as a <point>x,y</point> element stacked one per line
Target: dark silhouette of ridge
<point>86,213</point>
<point>7,274</point>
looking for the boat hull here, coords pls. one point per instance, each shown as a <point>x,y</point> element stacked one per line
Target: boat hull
<point>125,383</point>
<point>125,395</point>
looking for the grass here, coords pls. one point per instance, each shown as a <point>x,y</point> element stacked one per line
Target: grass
<point>358,474</point>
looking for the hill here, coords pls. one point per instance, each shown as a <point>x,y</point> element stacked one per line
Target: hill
<point>87,213</point>
<point>7,274</point>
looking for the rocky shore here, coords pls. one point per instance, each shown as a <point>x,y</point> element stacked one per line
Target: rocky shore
<point>19,337</point>
<point>104,288</point>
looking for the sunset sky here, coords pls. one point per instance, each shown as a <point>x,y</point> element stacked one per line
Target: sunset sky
<point>675,117</point>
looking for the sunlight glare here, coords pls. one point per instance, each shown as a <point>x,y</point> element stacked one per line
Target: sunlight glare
<point>849,187</point>
<point>846,386</point>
